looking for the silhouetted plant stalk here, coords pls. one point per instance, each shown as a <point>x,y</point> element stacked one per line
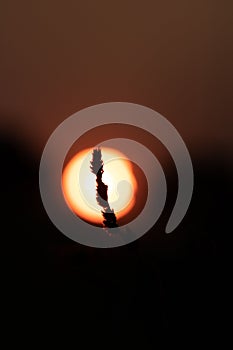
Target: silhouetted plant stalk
<point>102,189</point>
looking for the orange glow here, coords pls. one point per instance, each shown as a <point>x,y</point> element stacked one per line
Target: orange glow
<point>79,184</point>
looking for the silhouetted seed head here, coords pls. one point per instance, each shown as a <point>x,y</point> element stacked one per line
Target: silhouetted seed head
<point>102,189</point>
<point>96,162</point>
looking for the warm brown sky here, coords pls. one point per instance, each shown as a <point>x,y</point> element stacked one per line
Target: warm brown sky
<point>58,57</point>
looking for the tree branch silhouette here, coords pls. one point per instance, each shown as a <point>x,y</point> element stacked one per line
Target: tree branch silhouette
<point>102,189</point>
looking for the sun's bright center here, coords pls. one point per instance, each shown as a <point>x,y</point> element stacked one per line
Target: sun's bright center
<point>79,184</point>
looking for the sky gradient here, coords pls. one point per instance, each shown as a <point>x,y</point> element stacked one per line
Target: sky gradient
<point>174,57</point>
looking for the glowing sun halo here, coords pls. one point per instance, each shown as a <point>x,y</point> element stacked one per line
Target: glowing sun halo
<point>79,184</point>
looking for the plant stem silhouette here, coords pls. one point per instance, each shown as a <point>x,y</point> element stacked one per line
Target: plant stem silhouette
<point>102,189</point>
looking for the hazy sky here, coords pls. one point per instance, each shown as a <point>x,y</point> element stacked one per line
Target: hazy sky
<point>58,57</point>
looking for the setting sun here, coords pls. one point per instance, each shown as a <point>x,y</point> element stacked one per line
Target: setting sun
<point>79,184</point>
